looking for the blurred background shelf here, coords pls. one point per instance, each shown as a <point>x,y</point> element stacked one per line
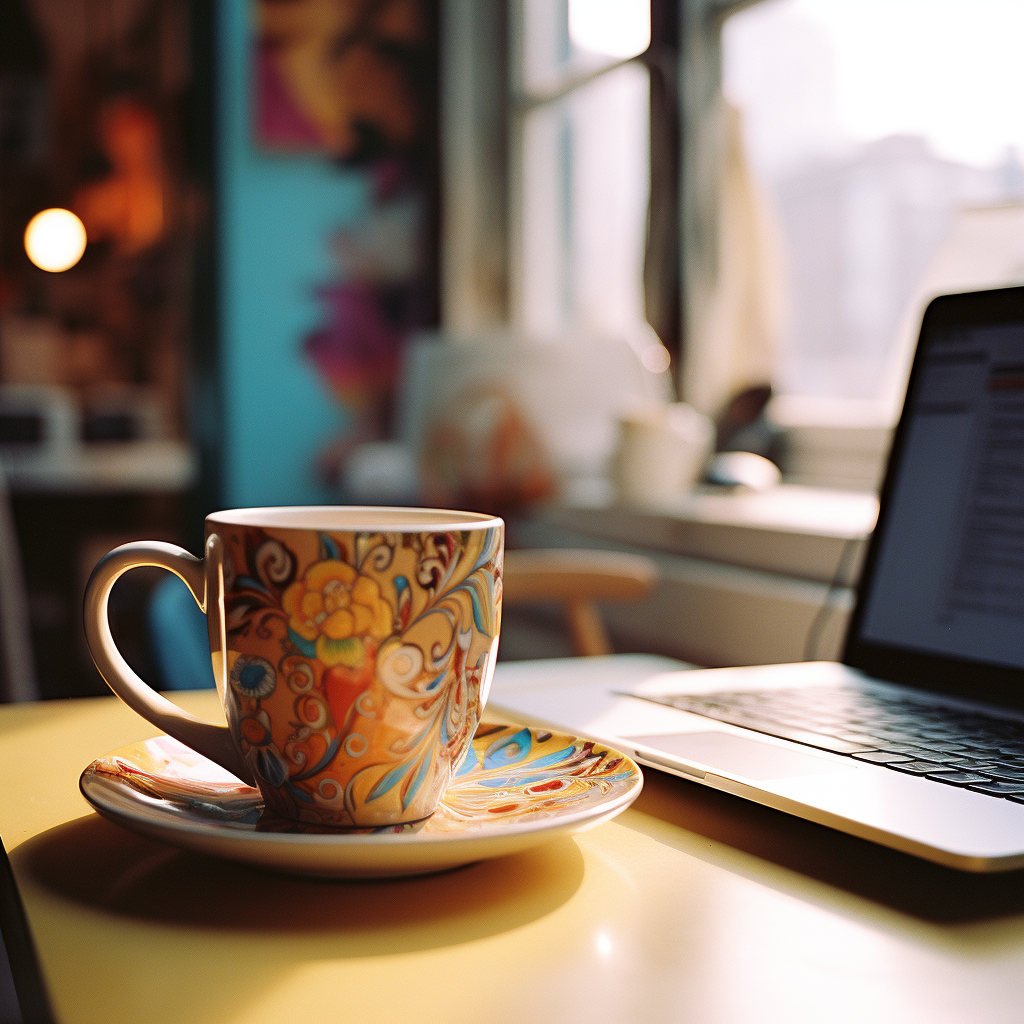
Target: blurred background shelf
<point>115,467</point>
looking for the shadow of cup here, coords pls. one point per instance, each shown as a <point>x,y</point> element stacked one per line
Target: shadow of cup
<point>97,864</point>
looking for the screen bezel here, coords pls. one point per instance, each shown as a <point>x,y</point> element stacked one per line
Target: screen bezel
<point>978,680</point>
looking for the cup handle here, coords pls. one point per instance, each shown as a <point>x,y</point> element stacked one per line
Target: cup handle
<point>212,741</point>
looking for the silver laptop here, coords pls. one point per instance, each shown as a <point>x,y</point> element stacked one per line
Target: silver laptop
<point>916,738</point>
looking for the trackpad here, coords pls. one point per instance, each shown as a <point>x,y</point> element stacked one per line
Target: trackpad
<point>737,755</point>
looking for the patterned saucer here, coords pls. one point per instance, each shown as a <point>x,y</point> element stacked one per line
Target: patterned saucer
<point>518,787</point>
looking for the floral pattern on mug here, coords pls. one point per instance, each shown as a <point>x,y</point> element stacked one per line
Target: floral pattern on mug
<point>331,608</point>
<point>358,665</point>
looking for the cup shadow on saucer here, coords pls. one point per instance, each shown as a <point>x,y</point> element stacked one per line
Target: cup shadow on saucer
<point>92,862</point>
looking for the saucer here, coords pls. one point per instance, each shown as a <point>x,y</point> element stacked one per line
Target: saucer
<point>517,788</point>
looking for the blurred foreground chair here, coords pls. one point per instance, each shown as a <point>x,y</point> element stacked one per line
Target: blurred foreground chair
<point>17,665</point>
<point>578,580</point>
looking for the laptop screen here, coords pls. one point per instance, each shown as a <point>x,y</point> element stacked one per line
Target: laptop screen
<point>946,574</point>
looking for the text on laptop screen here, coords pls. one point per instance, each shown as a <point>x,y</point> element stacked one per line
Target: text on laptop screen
<point>949,575</point>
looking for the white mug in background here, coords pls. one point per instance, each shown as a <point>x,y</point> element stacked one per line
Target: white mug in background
<point>662,450</point>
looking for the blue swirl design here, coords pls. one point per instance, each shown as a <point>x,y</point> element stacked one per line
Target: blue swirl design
<point>306,647</point>
<point>508,750</point>
<point>329,548</point>
<point>321,764</point>
<point>250,584</point>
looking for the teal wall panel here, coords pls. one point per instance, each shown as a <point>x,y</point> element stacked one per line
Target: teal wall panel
<point>276,216</point>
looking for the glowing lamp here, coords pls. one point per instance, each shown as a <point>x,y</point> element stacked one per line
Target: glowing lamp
<point>55,240</point>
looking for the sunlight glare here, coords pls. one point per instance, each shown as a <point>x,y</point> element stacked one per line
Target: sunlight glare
<point>616,28</point>
<point>944,69</point>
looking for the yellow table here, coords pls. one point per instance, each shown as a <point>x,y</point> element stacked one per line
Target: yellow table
<point>692,906</point>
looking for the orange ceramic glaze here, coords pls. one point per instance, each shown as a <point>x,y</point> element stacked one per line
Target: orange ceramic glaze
<point>354,665</point>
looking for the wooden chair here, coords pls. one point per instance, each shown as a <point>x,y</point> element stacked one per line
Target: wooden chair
<point>578,579</point>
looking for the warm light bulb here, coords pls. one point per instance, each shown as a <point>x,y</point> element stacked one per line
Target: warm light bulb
<point>616,28</point>
<point>55,240</point>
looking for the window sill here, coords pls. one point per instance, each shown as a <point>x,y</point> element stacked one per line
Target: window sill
<point>743,576</point>
<point>791,530</point>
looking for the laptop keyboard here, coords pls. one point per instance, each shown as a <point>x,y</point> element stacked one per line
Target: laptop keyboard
<point>899,731</point>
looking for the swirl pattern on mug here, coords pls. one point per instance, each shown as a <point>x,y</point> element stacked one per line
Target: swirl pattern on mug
<point>514,777</point>
<point>358,664</point>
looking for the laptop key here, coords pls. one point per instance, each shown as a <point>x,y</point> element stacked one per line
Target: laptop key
<point>913,751</point>
<point>1007,774</point>
<point>998,788</point>
<point>919,768</point>
<point>939,758</point>
<point>859,737</point>
<point>881,757</point>
<point>813,739</point>
<point>958,778</point>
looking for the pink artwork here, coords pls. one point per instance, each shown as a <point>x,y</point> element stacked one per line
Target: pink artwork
<point>332,76</point>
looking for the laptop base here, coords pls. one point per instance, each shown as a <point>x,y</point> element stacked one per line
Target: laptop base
<point>953,827</point>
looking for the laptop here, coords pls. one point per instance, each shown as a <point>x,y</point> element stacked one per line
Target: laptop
<point>915,739</point>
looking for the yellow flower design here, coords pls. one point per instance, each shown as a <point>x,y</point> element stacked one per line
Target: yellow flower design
<point>335,607</point>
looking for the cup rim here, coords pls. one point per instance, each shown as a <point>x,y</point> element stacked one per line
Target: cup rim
<point>355,518</point>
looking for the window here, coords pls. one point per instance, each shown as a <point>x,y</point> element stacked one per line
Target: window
<point>873,126</point>
<point>547,146</point>
<point>581,137</point>
<point>828,152</point>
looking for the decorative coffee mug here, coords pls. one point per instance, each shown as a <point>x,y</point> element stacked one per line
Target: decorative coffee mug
<point>353,650</point>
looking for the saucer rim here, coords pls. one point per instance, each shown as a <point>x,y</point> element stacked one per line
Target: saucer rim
<point>242,836</point>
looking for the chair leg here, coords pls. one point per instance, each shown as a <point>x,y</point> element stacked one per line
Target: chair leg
<point>589,637</point>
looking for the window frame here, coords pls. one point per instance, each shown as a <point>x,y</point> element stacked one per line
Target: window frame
<point>482,192</point>
<point>482,130</point>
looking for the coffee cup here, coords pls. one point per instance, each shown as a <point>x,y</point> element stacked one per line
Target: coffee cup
<point>352,648</point>
<point>662,451</point>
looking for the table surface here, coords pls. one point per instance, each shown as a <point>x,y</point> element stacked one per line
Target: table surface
<point>691,906</point>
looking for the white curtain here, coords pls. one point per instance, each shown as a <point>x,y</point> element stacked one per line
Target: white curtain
<point>737,334</point>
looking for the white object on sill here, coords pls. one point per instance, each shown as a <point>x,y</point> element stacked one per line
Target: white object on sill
<point>743,469</point>
<point>569,390</point>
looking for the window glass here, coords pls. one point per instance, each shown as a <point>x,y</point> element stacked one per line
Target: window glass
<point>582,167</point>
<point>585,177</point>
<point>872,123</point>
<point>563,41</point>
